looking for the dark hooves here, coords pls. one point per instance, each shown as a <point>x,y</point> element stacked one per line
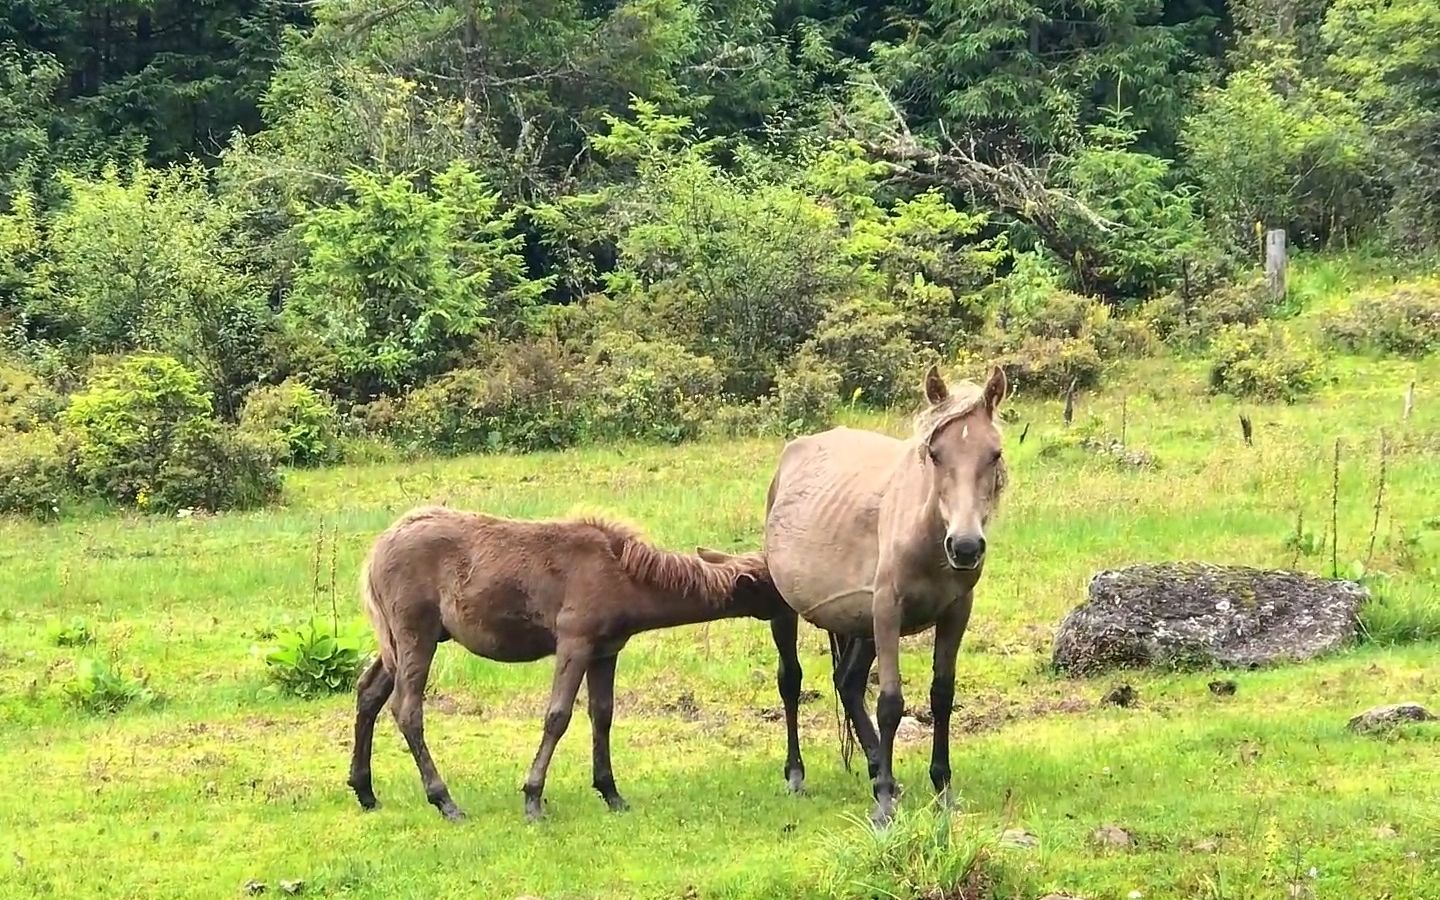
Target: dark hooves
<point>795,784</point>
<point>453,814</point>
<point>617,804</point>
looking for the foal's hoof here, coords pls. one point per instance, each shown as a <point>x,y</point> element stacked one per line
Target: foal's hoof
<point>534,809</point>
<point>452,813</point>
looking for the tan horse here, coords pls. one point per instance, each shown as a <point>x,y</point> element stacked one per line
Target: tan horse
<point>871,538</point>
<point>515,591</point>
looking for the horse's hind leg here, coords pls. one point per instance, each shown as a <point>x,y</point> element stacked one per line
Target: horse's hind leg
<point>412,666</point>
<point>371,693</point>
<point>600,685</point>
<point>571,662</point>
<point>784,629</point>
<point>851,678</point>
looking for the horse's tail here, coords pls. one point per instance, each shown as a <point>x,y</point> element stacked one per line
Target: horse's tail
<point>375,612</point>
<point>846,729</point>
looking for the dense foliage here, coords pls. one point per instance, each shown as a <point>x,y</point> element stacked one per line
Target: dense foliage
<point>471,225</point>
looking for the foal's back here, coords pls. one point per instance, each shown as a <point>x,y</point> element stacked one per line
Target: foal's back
<point>496,586</point>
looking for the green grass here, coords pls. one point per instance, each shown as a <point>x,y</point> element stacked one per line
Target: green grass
<point>217,781</point>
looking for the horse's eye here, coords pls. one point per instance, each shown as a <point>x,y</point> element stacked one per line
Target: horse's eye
<point>995,460</point>
<point>934,456</point>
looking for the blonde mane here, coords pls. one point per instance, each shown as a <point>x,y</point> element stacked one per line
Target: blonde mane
<point>679,573</point>
<point>965,397</point>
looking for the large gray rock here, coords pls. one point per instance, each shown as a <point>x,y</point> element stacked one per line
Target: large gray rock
<point>1195,614</point>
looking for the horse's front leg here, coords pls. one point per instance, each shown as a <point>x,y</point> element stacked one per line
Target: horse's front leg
<point>890,704</point>
<point>948,632</point>
<point>784,628</point>
<point>600,685</point>
<point>571,661</point>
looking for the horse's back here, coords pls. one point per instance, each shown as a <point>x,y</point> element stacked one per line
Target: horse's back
<point>821,541</point>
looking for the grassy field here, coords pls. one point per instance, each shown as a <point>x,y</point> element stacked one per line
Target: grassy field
<point>1260,794</point>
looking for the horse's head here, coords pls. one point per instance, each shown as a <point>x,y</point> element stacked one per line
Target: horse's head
<point>960,447</point>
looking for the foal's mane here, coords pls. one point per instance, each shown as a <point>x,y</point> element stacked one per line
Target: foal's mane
<point>965,397</point>
<point>679,573</point>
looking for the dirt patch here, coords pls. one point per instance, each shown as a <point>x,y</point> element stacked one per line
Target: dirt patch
<point>450,705</point>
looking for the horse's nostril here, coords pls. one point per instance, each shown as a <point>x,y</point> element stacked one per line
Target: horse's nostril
<point>964,549</point>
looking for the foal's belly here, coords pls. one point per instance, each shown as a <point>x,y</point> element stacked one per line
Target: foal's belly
<point>500,625</point>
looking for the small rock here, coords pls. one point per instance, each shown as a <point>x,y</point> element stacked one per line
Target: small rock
<point>1112,836</point>
<point>772,714</point>
<point>1121,695</point>
<point>292,887</point>
<point>1209,845</point>
<point>1383,718</point>
<point>911,730</point>
<point>1222,688</point>
<point>809,696</point>
<point>254,888</point>
<point>1019,838</point>
<point>1386,833</point>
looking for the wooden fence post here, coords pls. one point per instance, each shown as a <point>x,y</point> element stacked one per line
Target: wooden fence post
<point>1275,260</point>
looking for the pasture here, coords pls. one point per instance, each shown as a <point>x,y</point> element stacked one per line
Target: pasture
<point>1259,794</point>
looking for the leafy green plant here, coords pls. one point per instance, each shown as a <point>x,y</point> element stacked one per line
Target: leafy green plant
<point>99,687</point>
<point>35,474</point>
<point>1403,319</point>
<point>75,633</point>
<point>925,852</point>
<point>651,389</point>
<point>314,660</point>
<point>297,423</point>
<point>1264,362</point>
<point>807,395</point>
<point>866,342</point>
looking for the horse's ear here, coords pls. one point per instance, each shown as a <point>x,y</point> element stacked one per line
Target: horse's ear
<point>712,556</point>
<point>935,389</point>
<point>995,390</point>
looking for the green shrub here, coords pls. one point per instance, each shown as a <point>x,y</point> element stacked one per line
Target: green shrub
<point>1404,320</point>
<point>1049,365</point>
<point>25,401</point>
<point>103,688</point>
<point>1243,302</point>
<point>865,341</point>
<point>213,466</point>
<point>655,390</point>
<point>143,436</point>
<point>35,476</point>
<point>807,395</point>
<point>297,423</point>
<point>530,396</point>
<point>315,660</point>
<point>1263,362</point>
<point>741,420</point>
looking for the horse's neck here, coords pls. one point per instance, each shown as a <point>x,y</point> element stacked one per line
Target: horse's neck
<point>910,515</point>
<point>655,609</point>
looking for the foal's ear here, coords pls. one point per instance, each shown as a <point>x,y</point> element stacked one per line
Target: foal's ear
<point>995,390</point>
<point>935,389</point>
<point>712,556</point>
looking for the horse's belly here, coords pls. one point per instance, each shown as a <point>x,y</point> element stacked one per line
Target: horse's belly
<point>499,624</point>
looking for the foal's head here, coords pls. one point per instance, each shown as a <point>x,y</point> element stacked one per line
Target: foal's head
<point>959,445</point>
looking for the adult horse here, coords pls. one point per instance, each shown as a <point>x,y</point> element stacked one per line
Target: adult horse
<point>871,537</point>
<point>518,591</point>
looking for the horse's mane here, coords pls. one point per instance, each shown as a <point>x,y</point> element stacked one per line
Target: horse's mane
<point>679,573</point>
<point>965,397</point>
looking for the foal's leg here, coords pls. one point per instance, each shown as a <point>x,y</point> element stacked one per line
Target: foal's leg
<point>370,695</point>
<point>851,678</point>
<point>600,686</point>
<point>948,632</point>
<point>571,661</point>
<point>890,704</point>
<point>412,666</point>
<point>784,628</point>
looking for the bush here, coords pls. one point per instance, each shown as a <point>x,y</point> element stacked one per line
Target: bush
<point>1246,301</point>
<point>1263,362</point>
<point>102,688</point>
<point>531,396</point>
<point>865,341</point>
<point>653,390</point>
<point>295,422</point>
<point>35,474</point>
<point>1050,365</point>
<point>25,402</point>
<point>212,466</point>
<point>1404,320</point>
<point>143,436</point>
<point>806,395</point>
<point>76,633</point>
<point>315,660</point>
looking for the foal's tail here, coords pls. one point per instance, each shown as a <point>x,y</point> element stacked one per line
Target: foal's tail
<point>838,648</point>
<point>379,621</point>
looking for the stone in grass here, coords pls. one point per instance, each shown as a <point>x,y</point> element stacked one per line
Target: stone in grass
<point>254,888</point>
<point>1384,718</point>
<point>1019,838</point>
<point>1121,695</point>
<point>1179,615</point>
<point>1112,836</point>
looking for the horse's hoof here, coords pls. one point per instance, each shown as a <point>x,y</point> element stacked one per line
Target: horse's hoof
<point>452,814</point>
<point>882,815</point>
<point>534,811</point>
<point>795,784</point>
<point>617,804</point>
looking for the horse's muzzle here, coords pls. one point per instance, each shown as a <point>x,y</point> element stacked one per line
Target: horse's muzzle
<point>965,553</point>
